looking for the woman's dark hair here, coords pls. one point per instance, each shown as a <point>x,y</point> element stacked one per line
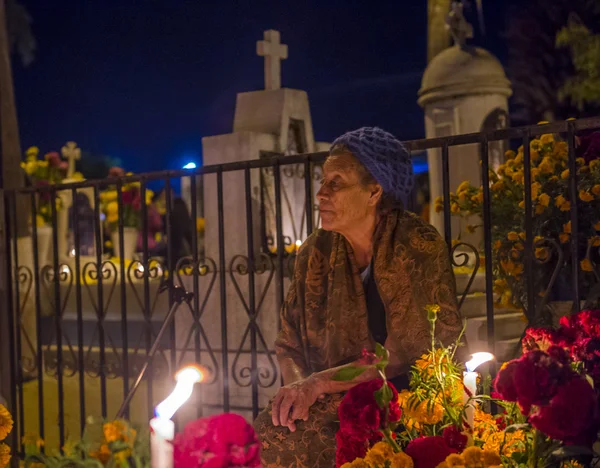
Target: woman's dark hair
<point>387,202</point>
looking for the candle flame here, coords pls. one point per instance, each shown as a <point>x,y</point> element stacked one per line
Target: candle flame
<point>477,359</point>
<point>185,378</point>
<point>298,243</point>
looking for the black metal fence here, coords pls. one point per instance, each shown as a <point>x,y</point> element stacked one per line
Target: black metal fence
<point>82,321</point>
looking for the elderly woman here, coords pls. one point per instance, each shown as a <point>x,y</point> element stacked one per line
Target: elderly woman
<point>365,277</point>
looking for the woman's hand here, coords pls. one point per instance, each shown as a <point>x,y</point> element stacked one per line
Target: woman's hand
<point>296,398</point>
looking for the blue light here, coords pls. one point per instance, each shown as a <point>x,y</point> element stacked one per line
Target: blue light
<point>190,165</point>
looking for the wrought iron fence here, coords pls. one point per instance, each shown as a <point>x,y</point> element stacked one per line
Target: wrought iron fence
<point>82,325</point>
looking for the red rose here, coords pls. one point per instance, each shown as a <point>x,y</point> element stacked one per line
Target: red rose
<point>455,438</point>
<point>589,322</point>
<point>572,414</point>
<point>428,452</point>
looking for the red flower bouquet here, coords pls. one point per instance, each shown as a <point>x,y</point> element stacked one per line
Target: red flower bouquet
<point>362,419</point>
<point>221,441</point>
<point>428,452</point>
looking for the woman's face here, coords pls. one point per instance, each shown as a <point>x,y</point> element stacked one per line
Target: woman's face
<point>344,202</point>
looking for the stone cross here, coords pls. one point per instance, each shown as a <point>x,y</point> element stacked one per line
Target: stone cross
<point>457,24</point>
<point>71,153</point>
<point>273,51</point>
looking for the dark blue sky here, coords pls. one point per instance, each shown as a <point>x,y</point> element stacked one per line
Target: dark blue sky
<point>145,80</point>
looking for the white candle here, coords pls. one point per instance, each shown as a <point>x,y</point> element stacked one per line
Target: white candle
<point>162,432</point>
<point>162,429</point>
<point>470,383</point>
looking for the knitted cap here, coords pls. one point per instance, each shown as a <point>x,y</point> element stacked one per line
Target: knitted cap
<point>385,157</point>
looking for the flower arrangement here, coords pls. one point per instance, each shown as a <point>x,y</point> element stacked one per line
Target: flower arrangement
<point>224,440</point>
<point>114,444</point>
<point>549,403</point>
<point>43,172</point>
<point>6,426</point>
<point>132,202</point>
<point>551,212</point>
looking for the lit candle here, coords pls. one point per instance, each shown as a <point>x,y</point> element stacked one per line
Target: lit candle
<point>162,429</point>
<point>470,382</point>
<point>298,244</point>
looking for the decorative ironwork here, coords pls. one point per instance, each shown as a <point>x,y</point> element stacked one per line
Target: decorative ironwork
<point>151,271</point>
<point>65,277</point>
<point>92,275</point>
<point>465,261</point>
<point>240,264</point>
<point>25,281</point>
<point>207,268</point>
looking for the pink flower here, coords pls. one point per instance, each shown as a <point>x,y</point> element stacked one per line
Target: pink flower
<point>368,358</point>
<point>53,159</point>
<point>221,441</point>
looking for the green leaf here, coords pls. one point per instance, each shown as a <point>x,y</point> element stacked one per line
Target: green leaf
<point>346,374</point>
<point>384,395</point>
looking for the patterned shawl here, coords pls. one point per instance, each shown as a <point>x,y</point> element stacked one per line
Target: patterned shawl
<point>324,318</point>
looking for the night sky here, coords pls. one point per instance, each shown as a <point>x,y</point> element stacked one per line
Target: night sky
<point>144,81</point>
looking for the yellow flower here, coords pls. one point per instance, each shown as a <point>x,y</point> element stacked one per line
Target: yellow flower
<point>585,196</point>
<point>470,228</point>
<point>77,176</point>
<point>4,455</point>
<point>544,199</point>
<point>559,201</point>
<point>30,167</point>
<point>541,253</point>
<point>535,144</point>
<point>595,241</point>
<point>103,454</point>
<point>108,196</point>
<point>358,463</point>
<point>32,439</point>
<point>596,190</point>
<point>484,423</point>
<point>112,218</point>
<point>464,186</point>
<point>535,172</point>
<point>6,422</point>
<point>454,208</point>
<point>546,138</point>
<point>113,431</point>
<point>149,196</point>
<point>539,209</point>
<point>597,226</point>
<point>477,198</point>
<point>512,236</point>
<point>379,453</point>
<point>112,208</point>
<point>565,174</point>
<point>472,457</point>
<point>518,177</point>
<point>401,460</point>
<point>586,265</point>
<point>497,244</point>
<point>594,164</point>
<point>510,154</point>
<point>546,166</point>
<point>510,442</point>
<point>580,161</point>
<point>560,150</point>
<point>497,186</point>
<point>564,238</point>
<point>571,464</point>
<point>567,227</point>
<point>522,204</point>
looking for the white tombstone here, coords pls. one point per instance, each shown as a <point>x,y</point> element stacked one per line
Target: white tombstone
<point>464,90</point>
<point>269,121</point>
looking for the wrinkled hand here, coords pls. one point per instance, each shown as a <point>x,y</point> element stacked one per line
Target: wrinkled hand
<point>293,401</point>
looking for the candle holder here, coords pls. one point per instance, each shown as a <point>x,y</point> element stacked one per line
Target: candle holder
<point>180,295</point>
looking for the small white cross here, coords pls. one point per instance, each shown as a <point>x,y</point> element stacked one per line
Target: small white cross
<point>273,51</point>
<point>71,153</point>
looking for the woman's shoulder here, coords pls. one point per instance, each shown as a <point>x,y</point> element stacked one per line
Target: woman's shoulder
<point>413,225</point>
<point>319,239</point>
